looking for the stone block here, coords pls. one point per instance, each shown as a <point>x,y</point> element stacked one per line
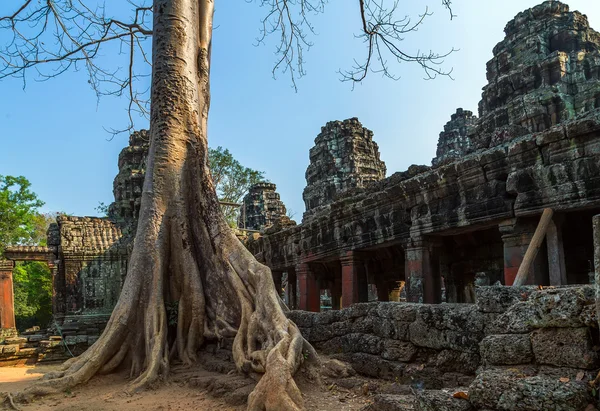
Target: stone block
<point>547,308</point>
<point>386,328</point>
<point>564,347</point>
<point>510,390</point>
<point>302,318</point>
<point>35,338</point>
<point>10,349</point>
<point>507,349</point>
<point>405,312</point>
<point>398,350</point>
<point>326,317</point>
<point>440,400</point>
<point>375,366</point>
<point>341,328</point>
<point>20,341</point>
<point>390,402</point>
<point>351,343</point>
<point>357,310</point>
<point>499,298</point>
<point>457,362</point>
<point>363,325</point>
<point>319,333</point>
<point>453,326</point>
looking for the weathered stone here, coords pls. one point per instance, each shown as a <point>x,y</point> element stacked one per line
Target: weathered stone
<point>440,400</point>
<point>344,157</point>
<point>509,390</point>
<point>262,208</point>
<point>457,362</point>
<point>506,349</point>
<point>398,350</point>
<point>454,141</point>
<point>302,318</point>
<point>10,349</point>
<point>457,327</point>
<point>497,299</point>
<point>363,325</point>
<point>564,347</point>
<point>375,366</point>
<point>390,402</point>
<point>555,307</point>
<point>127,186</point>
<point>353,342</point>
<point>386,328</point>
<point>337,369</point>
<point>405,312</point>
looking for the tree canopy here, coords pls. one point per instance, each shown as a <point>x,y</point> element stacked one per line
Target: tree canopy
<point>20,222</point>
<point>232,179</point>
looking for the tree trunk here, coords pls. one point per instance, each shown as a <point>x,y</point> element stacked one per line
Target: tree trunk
<point>185,254</point>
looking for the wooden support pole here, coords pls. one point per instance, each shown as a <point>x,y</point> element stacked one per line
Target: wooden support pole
<point>534,247</point>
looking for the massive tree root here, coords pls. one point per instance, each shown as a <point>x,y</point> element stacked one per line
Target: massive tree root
<point>185,254</point>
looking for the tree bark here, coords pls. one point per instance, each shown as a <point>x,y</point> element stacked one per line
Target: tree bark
<point>185,254</point>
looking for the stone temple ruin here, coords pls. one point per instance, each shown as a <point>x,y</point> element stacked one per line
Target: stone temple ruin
<point>418,266</point>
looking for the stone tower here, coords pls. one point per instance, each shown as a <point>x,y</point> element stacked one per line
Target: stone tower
<point>127,186</point>
<point>344,156</point>
<point>262,208</point>
<point>454,141</point>
<point>545,71</point>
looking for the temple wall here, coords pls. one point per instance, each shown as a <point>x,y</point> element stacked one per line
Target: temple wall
<point>515,335</point>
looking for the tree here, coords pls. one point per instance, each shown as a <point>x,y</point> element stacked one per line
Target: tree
<point>21,223</point>
<point>231,179</point>
<point>19,219</point>
<point>33,294</point>
<point>185,253</point>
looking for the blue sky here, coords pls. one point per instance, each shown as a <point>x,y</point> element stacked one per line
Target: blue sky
<point>53,132</point>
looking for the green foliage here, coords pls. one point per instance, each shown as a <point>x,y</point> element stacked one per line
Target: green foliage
<point>21,223</point>
<point>172,309</point>
<point>33,294</point>
<point>231,179</point>
<point>19,220</point>
<point>102,209</point>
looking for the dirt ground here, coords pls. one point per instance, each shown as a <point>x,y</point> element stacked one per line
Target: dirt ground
<point>106,393</point>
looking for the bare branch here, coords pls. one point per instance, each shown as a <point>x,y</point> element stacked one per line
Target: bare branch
<point>291,19</point>
<point>383,33</point>
<point>49,37</point>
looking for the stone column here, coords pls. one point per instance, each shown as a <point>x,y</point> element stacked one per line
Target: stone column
<point>354,279</point>
<point>423,281</point>
<point>7,299</point>
<point>516,236</point>
<point>556,252</point>
<point>309,289</point>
